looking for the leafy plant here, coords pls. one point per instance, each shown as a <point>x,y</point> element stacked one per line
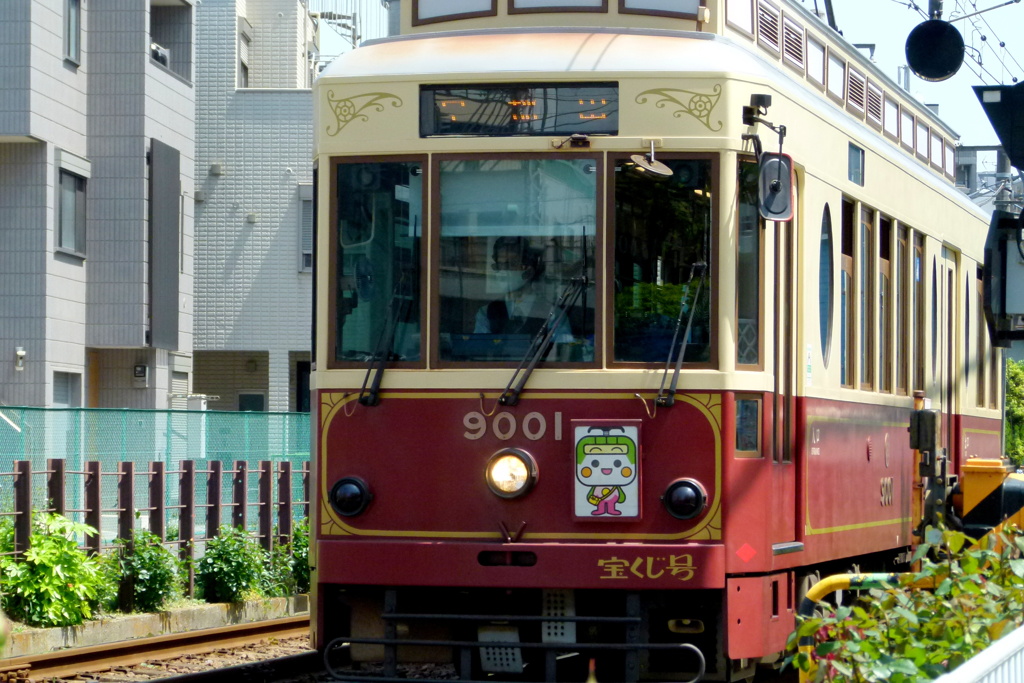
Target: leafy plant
<point>1015,411</point>
<point>109,567</point>
<point>231,567</point>
<point>278,581</point>
<point>55,583</point>
<point>300,556</point>
<point>902,633</point>
<point>153,569</point>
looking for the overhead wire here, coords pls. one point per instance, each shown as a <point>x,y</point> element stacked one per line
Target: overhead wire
<point>986,43</point>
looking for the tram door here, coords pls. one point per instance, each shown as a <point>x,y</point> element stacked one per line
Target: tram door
<point>943,340</point>
<point>783,407</point>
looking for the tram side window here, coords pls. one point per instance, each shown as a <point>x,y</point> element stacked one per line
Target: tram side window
<point>825,284</point>
<point>980,324</point>
<point>867,301</point>
<point>995,383</point>
<point>901,283</point>
<point>662,242</point>
<point>885,304</point>
<point>378,223</point>
<point>846,305</point>
<point>748,269</point>
<point>919,311</point>
<point>516,235</point>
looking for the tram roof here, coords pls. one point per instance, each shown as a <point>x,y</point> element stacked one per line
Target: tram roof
<point>551,50</point>
<point>540,54</point>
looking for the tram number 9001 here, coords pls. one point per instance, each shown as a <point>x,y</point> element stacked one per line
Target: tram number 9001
<point>887,491</point>
<point>504,426</point>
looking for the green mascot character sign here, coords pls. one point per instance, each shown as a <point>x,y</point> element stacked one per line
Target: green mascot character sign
<point>607,471</point>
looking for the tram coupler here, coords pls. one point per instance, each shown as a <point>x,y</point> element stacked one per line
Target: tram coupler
<point>932,467</point>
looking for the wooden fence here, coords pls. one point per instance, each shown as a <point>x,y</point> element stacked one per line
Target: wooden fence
<point>201,495</point>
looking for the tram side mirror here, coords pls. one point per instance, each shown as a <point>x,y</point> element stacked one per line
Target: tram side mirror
<point>775,187</point>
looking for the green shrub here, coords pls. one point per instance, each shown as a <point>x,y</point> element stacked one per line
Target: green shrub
<point>300,556</point>
<point>232,566</point>
<point>903,634</point>
<point>278,580</point>
<point>55,583</point>
<point>109,567</point>
<point>153,569</point>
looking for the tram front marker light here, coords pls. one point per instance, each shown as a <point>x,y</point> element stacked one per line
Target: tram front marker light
<point>685,499</point>
<point>511,473</point>
<point>350,496</point>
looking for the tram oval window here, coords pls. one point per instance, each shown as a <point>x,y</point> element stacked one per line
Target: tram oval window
<point>825,283</point>
<point>662,242</point>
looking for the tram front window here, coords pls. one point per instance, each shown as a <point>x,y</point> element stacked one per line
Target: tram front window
<point>662,241</point>
<point>514,234</point>
<point>378,224</point>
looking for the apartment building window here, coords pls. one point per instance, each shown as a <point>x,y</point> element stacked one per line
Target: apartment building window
<point>307,219</point>
<point>306,237</point>
<point>67,390</point>
<point>170,33</point>
<point>73,30</point>
<point>71,213</point>
<point>243,61</point>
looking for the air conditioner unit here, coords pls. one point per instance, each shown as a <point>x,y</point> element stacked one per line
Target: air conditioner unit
<point>160,54</point>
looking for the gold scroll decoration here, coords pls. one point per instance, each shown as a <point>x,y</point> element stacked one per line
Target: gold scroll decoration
<point>349,109</point>
<point>696,104</point>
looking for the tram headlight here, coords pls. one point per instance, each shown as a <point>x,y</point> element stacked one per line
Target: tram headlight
<point>511,473</point>
<point>685,499</point>
<point>350,496</point>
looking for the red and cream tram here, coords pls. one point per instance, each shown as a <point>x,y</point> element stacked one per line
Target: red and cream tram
<point>574,394</point>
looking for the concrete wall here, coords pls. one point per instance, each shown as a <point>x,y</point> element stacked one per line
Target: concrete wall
<point>252,295</point>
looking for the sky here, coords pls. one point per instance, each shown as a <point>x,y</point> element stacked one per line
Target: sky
<point>887,23</point>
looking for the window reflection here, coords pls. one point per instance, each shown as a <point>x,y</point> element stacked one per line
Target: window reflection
<point>662,261</point>
<point>379,226</point>
<point>514,234</point>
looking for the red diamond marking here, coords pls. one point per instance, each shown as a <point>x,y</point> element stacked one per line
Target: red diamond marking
<point>746,553</point>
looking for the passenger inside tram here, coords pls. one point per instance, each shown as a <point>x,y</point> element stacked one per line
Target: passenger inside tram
<point>516,235</point>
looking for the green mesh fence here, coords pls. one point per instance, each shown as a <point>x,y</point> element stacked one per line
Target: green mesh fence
<point>113,436</point>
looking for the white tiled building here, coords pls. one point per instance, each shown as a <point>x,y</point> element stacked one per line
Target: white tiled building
<point>255,63</point>
<point>96,180</point>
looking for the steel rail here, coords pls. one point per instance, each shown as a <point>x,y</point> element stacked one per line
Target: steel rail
<point>130,652</point>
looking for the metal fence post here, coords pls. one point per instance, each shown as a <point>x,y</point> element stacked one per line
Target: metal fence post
<point>240,498</point>
<point>126,501</point>
<point>93,504</point>
<point>284,496</point>
<point>305,491</point>
<point>213,488</point>
<point>125,526</point>
<point>266,495</point>
<point>157,509</point>
<point>22,505</point>
<point>55,485</point>
<point>187,522</point>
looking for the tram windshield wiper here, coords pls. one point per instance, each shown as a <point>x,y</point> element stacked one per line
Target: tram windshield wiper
<point>383,351</point>
<point>541,342</point>
<point>667,398</point>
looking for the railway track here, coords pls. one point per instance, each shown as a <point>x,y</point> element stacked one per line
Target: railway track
<point>56,665</point>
